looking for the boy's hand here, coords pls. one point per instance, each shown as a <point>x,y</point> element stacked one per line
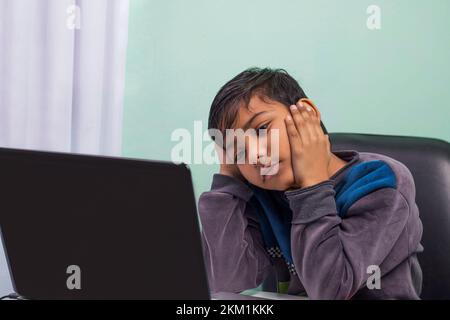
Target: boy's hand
<point>310,147</point>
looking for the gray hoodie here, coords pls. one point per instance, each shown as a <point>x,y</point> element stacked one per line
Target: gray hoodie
<point>335,257</point>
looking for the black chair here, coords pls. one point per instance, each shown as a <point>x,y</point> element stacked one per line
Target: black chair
<point>429,162</point>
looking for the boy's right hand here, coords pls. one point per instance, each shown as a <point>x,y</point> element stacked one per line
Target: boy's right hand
<point>310,147</point>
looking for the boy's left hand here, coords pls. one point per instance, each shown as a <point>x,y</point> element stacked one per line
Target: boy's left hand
<point>310,147</point>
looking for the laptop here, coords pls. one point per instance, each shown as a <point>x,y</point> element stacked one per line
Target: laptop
<point>92,227</point>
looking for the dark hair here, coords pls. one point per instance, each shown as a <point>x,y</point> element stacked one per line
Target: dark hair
<point>275,84</point>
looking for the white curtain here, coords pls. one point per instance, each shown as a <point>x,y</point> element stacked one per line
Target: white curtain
<point>62,70</point>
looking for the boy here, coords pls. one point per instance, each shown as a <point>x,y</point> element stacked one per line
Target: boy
<point>333,225</point>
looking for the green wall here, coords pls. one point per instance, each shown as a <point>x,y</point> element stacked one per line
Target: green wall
<point>389,81</point>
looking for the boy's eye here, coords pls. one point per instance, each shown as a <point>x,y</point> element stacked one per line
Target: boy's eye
<point>263,127</point>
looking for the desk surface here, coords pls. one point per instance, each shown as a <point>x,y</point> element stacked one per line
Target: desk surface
<point>257,295</point>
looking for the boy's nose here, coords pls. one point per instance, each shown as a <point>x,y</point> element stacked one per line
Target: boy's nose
<point>263,160</point>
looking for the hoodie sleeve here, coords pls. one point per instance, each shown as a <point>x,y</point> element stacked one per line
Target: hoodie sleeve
<point>331,254</point>
<point>233,247</point>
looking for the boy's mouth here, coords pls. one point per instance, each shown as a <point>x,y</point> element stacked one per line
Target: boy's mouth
<point>268,172</point>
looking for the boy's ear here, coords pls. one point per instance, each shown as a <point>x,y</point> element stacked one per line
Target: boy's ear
<point>312,105</point>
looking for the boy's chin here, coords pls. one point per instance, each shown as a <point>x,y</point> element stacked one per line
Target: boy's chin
<point>276,183</point>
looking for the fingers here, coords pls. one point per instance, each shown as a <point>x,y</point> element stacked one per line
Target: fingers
<point>315,117</point>
<point>312,121</point>
<point>303,125</point>
<point>304,122</point>
<point>293,135</point>
<point>300,122</point>
<point>308,102</point>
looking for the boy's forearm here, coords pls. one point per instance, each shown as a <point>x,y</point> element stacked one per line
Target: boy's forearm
<point>233,249</point>
<point>332,255</point>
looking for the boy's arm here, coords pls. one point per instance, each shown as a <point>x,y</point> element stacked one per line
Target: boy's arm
<point>232,242</point>
<point>331,254</point>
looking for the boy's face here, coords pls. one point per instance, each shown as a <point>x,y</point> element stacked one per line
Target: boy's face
<point>271,115</point>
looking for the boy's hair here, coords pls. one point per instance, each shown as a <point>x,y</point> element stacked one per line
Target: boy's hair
<point>274,84</point>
